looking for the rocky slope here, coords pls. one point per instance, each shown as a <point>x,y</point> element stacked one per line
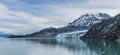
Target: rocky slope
<point>107,29</point>
<point>82,23</point>
<point>48,32</point>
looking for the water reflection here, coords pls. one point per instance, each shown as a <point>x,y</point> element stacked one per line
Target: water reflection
<point>64,47</point>
<point>73,46</point>
<point>104,47</point>
<point>89,47</point>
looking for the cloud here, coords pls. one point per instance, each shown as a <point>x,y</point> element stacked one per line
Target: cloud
<point>71,13</point>
<point>104,3</point>
<point>23,16</point>
<point>18,22</point>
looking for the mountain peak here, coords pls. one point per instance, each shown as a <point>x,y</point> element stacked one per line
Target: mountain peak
<point>89,19</point>
<point>96,14</point>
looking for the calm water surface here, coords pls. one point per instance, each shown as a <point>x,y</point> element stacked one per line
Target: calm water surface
<point>58,47</point>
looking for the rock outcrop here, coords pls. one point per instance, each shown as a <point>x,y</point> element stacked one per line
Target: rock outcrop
<point>107,29</point>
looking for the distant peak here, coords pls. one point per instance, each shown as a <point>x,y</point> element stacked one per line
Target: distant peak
<point>89,19</point>
<point>93,14</point>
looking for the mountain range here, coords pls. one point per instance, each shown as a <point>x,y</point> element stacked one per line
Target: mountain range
<point>84,22</point>
<point>2,35</point>
<point>107,29</point>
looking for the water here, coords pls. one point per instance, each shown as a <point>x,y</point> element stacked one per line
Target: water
<point>58,47</point>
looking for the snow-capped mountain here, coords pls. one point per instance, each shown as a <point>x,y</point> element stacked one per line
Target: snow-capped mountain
<point>87,20</point>
<point>108,29</point>
<point>84,23</point>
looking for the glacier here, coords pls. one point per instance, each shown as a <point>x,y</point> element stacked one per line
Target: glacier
<point>84,23</point>
<point>75,34</point>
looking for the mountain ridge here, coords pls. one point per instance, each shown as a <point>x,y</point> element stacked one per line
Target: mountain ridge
<point>4,35</point>
<point>107,29</point>
<point>82,23</point>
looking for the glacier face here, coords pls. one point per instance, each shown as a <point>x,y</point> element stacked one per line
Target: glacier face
<point>84,22</point>
<point>75,34</point>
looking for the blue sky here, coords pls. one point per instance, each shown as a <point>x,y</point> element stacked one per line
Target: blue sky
<point>27,16</point>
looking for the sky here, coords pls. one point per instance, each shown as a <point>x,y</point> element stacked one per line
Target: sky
<point>21,17</point>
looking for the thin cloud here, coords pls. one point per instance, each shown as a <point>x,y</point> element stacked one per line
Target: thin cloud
<point>22,17</point>
<point>19,22</point>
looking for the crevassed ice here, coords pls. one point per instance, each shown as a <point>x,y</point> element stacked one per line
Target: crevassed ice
<point>76,34</point>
